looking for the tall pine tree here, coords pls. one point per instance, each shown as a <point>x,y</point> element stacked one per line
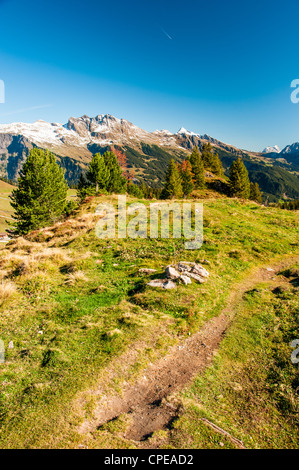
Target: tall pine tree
<point>255,192</point>
<point>40,197</point>
<point>185,170</point>
<point>238,179</point>
<point>98,171</point>
<point>173,186</point>
<point>197,169</point>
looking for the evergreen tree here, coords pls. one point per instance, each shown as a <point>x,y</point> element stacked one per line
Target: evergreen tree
<point>197,169</point>
<point>85,187</point>
<point>255,192</point>
<point>210,160</point>
<point>173,186</point>
<point>40,197</point>
<point>216,166</point>
<point>98,172</point>
<point>239,180</point>
<point>186,177</point>
<point>116,182</point>
<point>207,155</point>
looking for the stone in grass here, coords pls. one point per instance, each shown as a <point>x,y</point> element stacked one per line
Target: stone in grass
<point>185,266</point>
<point>185,279</point>
<point>197,277</point>
<point>164,284</point>
<point>146,271</point>
<point>200,270</point>
<point>171,273</point>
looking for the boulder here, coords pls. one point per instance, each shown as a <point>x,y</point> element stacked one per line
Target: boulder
<point>162,283</point>
<point>197,277</point>
<point>185,279</point>
<point>200,270</point>
<point>171,273</point>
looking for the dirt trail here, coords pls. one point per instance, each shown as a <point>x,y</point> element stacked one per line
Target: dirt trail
<point>146,400</point>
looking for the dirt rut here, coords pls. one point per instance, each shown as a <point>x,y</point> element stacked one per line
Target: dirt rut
<point>145,401</point>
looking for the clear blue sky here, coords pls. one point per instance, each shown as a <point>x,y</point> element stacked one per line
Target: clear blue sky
<point>218,67</point>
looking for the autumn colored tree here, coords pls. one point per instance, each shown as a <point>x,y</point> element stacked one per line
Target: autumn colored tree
<point>185,170</point>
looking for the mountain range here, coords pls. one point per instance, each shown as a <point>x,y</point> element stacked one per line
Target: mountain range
<point>148,153</point>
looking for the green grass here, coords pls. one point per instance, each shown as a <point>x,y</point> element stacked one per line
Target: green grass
<point>251,388</point>
<point>76,303</point>
<point>6,211</point>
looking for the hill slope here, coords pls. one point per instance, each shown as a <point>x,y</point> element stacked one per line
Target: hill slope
<point>84,324</point>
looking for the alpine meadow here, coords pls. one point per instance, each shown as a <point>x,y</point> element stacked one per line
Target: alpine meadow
<point>149,278</point>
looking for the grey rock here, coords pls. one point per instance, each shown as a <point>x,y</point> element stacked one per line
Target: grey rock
<point>200,270</point>
<point>185,279</point>
<point>162,283</point>
<point>171,273</point>
<point>147,271</point>
<point>197,277</point>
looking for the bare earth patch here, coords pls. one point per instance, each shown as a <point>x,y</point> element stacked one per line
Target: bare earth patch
<point>146,401</point>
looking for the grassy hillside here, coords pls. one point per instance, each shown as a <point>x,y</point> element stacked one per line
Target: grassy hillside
<point>82,324</point>
<point>6,210</point>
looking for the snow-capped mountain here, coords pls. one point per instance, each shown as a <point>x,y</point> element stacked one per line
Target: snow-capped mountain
<point>148,153</point>
<point>294,148</point>
<point>274,149</point>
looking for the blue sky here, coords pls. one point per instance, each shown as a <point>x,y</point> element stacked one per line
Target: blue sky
<point>218,67</point>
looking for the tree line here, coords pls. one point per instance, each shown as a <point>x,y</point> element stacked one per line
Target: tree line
<point>182,179</point>
<point>40,198</point>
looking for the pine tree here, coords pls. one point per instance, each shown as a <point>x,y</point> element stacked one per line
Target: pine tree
<point>173,186</point>
<point>98,172</point>
<point>207,155</point>
<point>210,160</point>
<point>239,180</point>
<point>197,169</point>
<point>255,192</point>
<point>216,166</point>
<point>116,182</point>
<point>186,177</point>
<point>40,197</point>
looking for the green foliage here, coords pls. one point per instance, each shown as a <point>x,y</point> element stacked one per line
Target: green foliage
<point>197,167</point>
<point>211,161</point>
<point>40,197</point>
<point>239,180</point>
<point>98,172</point>
<point>173,186</point>
<point>290,205</point>
<point>186,177</point>
<point>134,190</point>
<point>105,175</point>
<point>255,192</point>
<point>116,182</point>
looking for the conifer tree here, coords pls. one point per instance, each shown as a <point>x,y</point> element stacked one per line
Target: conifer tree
<point>186,177</point>
<point>116,182</point>
<point>98,171</point>
<point>173,186</point>
<point>211,160</point>
<point>239,180</point>
<point>40,197</point>
<point>255,192</point>
<point>197,169</point>
<point>207,155</point>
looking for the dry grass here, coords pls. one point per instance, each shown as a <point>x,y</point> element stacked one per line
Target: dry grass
<point>7,290</point>
<point>73,278</point>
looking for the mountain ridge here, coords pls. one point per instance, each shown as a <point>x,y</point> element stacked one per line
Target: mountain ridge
<point>148,153</point>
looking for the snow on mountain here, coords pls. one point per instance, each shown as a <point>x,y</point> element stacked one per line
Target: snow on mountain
<point>274,149</point>
<point>294,148</point>
<point>42,132</point>
<point>185,132</point>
